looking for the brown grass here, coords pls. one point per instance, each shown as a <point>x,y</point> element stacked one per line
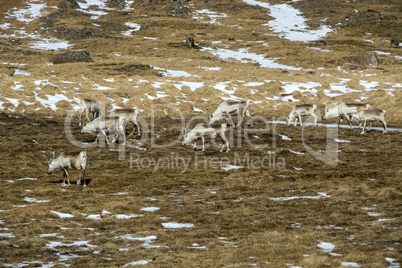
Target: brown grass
<point>237,223</point>
<point>235,220</point>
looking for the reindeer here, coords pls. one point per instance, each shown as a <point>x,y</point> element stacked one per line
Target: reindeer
<point>344,110</point>
<point>89,106</point>
<point>241,109</point>
<point>302,110</point>
<point>66,161</point>
<point>130,115</point>
<point>201,130</point>
<point>370,116</point>
<point>101,125</point>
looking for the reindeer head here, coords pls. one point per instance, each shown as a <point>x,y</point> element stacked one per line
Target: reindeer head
<point>212,119</point>
<point>184,136</point>
<point>228,119</point>
<point>289,120</point>
<point>51,167</point>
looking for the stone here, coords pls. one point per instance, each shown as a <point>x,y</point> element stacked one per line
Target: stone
<point>366,59</point>
<point>71,56</point>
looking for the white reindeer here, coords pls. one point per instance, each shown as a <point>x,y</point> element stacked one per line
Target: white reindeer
<point>240,108</point>
<point>101,125</point>
<point>370,116</point>
<point>89,106</point>
<point>130,115</point>
<point>66,161</point>
<point>301,110</point>
<point>201,130</point>
<point>344,110</point>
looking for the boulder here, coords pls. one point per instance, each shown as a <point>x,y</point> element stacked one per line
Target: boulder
<point>68,4</point>
<point>395,42</point>
<point>71,56</point>
<point>366,59</point>
<point>116,3</point>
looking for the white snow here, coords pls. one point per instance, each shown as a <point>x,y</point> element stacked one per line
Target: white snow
<point>29,14</point>
<point>150,209</point>
<point>349,264</point>
<point>326,246</point>
<point>231,167</point>
<point>34,200</point>
<point>62,215</point>
<point>127,216</point>
<point>289,23</point>
<point>242,55</point>
<point>175,225</point>
<point>320,195</point>
<point>93,217</point>
<point>134,263</point>
<point>134,27</point>
<point>285,138</point>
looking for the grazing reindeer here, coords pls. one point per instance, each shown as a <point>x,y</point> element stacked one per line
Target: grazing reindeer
<point>66,161</point>
<point>130,115</point>
<point>111,124</point>
<point>344,110</point>
<point>89,106</point>
<point>241,109</point>
<point>370,116</point>
<point>302,110</point>
<point>201,130</point>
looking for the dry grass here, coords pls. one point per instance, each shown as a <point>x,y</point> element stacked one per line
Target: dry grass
<point>237,220</point>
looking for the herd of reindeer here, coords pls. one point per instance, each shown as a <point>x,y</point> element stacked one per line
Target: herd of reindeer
<point>116,121</point>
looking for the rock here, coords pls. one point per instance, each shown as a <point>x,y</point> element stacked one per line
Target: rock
<point>75,33</point>
<point>395,42</point>
<point>366,59</point>
<point>180,10</point>
<point>71,56</point>
<point>68,4</point>
<point>28,52</point>
<point>190,42</point>
<point>320,43</point>
<point>116,3</point>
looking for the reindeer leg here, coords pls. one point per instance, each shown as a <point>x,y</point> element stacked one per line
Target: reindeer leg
<point>349,121</point>
<point>104,135</point>
<point>85,180</point>
<point>65,175</point>
<point>79,178</point>
<point>86,114</point>
<point>384,125</point>
<point>195,145</point>
<point>97,137</point>
<point>315,119</point>
<point>80,124</point>
<point>64,178</point>
<point>251,121</point>
<point>223,142</point>
<point>301,123</point>
<point>364,127</point>
<point>138,128</point>
<point>123,133</point>
<point>132,132</point>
